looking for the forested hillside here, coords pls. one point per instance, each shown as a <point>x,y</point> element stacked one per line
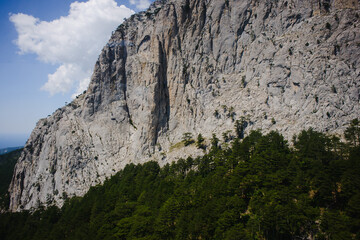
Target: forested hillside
<point>253,188</point>
<point>7,164</point>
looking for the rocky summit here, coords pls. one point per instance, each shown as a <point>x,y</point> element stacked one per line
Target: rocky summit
<point>196,66</point>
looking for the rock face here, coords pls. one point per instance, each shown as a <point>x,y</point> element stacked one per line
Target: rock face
<point>196,66</point>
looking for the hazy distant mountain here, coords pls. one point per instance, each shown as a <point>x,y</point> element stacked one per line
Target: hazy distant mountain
<point>10,149</point>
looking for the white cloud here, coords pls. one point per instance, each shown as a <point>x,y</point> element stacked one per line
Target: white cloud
<point>140,4</point>
<point>74,41</point>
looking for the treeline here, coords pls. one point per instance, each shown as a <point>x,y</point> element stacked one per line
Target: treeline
<point>257,188</point>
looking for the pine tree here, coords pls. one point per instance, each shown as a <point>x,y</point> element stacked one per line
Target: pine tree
<point>200,142</point>
<point>352,133</point>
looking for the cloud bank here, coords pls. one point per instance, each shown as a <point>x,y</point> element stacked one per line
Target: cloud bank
<point>74,41</point>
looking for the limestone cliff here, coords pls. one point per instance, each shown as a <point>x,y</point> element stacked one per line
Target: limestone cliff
<point>196,66</point>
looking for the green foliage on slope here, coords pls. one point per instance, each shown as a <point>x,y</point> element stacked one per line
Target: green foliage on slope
<point>259,188</point>
<point>7,164</point>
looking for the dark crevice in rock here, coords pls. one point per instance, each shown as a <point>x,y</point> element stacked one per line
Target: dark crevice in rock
<point>202,19</point>
<point>293,19</point>
<point>186,12</point>
<point>245,21</point>
<point>268,11</point>
<point>21,178</point>
<point>161,94</point>
<point>145,39</point>
<point>221,13</point>
<point>123,80</point>
<point>325,4</point>
<point>175,29</point>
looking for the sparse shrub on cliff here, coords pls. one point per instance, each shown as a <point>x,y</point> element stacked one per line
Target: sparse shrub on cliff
<point>187,139</point>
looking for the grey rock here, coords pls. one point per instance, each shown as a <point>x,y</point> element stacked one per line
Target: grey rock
<point>280,65</point>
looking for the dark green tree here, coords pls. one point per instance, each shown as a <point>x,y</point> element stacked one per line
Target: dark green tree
<point>200,142</point>
<point>240,126</point>
<point>352,133</point>
<point>214,141</point>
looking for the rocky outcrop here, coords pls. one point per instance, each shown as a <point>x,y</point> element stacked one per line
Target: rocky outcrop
<point>196,66</point>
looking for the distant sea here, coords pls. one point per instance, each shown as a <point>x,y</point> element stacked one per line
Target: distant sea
<point>13,140</point>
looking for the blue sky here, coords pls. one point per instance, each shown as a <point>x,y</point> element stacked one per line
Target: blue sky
<point>36,75</point>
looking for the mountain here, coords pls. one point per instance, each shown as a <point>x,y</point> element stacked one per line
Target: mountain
<point>196,66</point>
<point>10,149</point>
